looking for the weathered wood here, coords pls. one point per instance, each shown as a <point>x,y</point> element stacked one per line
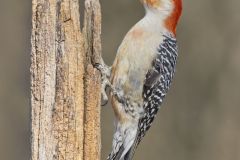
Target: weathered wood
<point>92,31</point>
<point>65,88</point>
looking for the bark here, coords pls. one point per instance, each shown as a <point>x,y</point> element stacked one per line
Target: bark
<point>92,30</point>
<point>65,88</point>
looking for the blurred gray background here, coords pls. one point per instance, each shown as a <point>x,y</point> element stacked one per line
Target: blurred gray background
<point>200,117</point>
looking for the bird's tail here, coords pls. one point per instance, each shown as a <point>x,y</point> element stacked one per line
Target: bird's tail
<point>116,155</point>
<point>129,155</point>
<point>121,156</point>
<point>125,152</point>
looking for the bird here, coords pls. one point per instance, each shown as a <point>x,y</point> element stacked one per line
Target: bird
<point>141,74</point>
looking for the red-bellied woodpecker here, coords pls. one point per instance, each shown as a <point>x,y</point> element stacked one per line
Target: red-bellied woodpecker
<point>141,74</point>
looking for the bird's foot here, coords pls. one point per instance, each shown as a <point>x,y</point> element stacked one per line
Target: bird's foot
<point>105,75</point>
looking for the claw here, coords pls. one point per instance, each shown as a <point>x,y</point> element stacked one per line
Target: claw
<point>105,73</point>
<point>103,68</point>
<point>98,66</point>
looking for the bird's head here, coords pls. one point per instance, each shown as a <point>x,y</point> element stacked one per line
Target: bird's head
<point>168,10</point>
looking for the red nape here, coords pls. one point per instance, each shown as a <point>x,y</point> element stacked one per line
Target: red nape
<point>172,20</point>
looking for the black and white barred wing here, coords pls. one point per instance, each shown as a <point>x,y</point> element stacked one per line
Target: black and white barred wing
<point>157,83</point>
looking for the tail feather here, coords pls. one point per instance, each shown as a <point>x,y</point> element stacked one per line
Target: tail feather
<point>130,154</point>
<point>131,151</point>
<point>122,154</point>
<point>118,155</point>
<point>124,144</point>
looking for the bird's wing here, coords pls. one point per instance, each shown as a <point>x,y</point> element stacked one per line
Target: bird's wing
<point>156,85</point>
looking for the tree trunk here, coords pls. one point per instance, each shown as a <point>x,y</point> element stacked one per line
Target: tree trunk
<point>65,88</point>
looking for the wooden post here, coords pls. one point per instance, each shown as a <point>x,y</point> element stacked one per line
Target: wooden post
<point>65,88</point>
<point>92,30</point>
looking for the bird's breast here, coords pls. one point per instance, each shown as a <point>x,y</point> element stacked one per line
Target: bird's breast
<point>134,58</point>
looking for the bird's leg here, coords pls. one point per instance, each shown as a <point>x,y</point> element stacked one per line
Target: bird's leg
<point>105,74</point>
